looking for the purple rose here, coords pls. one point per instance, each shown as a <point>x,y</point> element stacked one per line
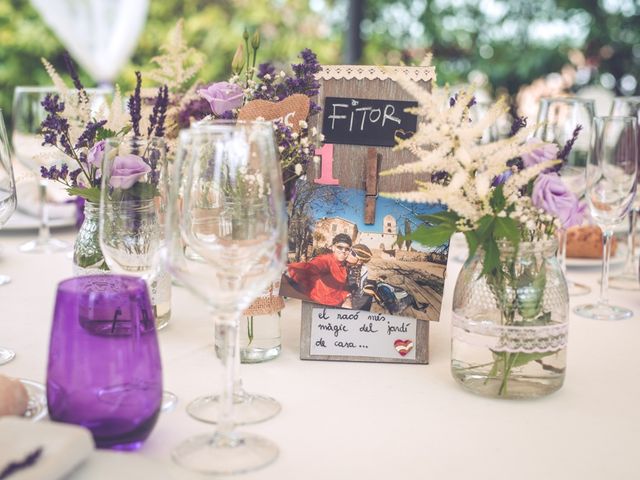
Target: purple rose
<point>545,152</point>
<point>552,195</point>
<point>96,154</point>
<point>222,96</point>
<point>127,170</point>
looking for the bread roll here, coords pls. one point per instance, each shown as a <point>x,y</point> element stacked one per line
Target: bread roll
<point>586,242</point>
<point>13,397</point>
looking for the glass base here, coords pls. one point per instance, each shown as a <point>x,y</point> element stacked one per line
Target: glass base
<point>247,408</point>
<point>169,401</point>
<point>53,245</point>
<point>4,279</point>
<point>6,355</point>
<point>217,454</point>
<point>258,355</point>
<point>577,289</point>
<point>625,281</point>
<point>603,312</point>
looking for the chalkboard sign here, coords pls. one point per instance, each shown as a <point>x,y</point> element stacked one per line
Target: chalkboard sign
<point>363,121</point>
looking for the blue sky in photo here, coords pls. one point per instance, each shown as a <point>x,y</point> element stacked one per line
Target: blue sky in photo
<point>351,207</point>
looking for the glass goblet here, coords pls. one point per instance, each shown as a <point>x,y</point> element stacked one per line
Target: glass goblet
<point>611,188</point>
<point>7,207</point>
<point>104,370</point>
<point>226,243</point>
<point>557,120</point>
<point>28,114</point>
<point>628,278</point>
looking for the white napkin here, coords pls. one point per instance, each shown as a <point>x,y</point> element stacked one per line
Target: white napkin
<point>64,447</point>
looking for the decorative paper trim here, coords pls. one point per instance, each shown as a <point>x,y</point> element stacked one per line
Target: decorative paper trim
<point>369,72</point>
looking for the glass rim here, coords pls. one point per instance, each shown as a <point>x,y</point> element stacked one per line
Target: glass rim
<point>567,100</point>
<point>633,98</point>
<point>69,285</point>
<point>222,126</point>
<point>53,89</point>
<point>625,118</point>
<point>113,141</point>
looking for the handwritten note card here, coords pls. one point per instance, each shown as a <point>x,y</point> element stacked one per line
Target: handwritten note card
<point>363,121</point>
<point>362,334</point>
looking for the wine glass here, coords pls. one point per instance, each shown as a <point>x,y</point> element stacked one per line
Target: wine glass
<point>557,121</point>
<point>28,114</point>
<point>611,187</point>
<point>226,243</point>
<point>248,408</point>
<point>7,207</point>
<point>132,210</point>
<point>628,278</point>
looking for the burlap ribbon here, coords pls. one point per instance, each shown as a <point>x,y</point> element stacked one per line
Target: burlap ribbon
<point>266,304</point>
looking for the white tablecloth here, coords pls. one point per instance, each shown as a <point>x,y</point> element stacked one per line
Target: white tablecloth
<point>371,421</point>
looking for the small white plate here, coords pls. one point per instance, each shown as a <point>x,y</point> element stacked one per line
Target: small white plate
<point>37,406</point>
<point>618,259</point>
<point>21,221</point>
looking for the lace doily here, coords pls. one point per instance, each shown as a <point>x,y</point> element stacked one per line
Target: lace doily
<point>502,338</point>
<point>368,72</point>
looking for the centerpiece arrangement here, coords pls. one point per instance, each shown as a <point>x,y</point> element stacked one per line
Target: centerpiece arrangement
<point>510,305</point>
<point>252,92</point>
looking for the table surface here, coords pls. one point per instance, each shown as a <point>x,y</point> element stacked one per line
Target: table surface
<point>364,420</point>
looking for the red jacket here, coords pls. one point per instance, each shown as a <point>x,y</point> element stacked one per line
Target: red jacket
<point>323,279</point>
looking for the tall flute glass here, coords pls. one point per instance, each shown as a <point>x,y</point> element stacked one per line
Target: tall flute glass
<point>629,278</point>
<point>7,207</point>
<point>557,121</point>
<point>28,114</point>
<point>611,187</point>
<point>227,226</point>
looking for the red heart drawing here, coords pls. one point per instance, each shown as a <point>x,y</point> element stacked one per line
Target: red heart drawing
<point>403,346</point>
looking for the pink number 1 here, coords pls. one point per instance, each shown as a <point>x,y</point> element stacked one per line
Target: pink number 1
<point>326,173</point>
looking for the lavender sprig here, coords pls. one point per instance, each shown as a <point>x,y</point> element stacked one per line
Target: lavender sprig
<point>55,128</point>
<point>518,124</point>
<point>88,137</point>
<point>566,150</point>
<point>159,113</point>
<point>28,461</point>
<point>72,72</point>
<point>135,106</point>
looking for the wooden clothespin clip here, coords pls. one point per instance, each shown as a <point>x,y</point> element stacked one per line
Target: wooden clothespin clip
<point>371,186</point>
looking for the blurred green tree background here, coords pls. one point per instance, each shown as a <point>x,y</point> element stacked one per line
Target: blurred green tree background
<point>509,42</point>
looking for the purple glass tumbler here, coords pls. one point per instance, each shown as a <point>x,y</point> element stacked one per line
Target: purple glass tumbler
<point>104,370</point>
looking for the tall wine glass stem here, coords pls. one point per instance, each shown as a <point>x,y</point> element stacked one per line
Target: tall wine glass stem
<point>227,326</point>
<point>631,241</point>
<point>44,234</point>
<point>606,257</point>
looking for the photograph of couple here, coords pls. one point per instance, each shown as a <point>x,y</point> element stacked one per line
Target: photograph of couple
<point>338,261</point>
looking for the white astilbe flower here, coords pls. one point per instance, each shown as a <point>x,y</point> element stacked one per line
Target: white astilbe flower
<point>518,180</point>
<point>118,117</point>
<point>61,87</point>
<point>446,148</point>
<point>179,62</point>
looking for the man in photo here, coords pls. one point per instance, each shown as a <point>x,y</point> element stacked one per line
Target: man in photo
<point>357,273</point>
<point>323,279</point>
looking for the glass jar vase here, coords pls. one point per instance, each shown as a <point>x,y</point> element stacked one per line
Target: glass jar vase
<point>87,255</point>
<point>88,259</point>
<point>510,326</point>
